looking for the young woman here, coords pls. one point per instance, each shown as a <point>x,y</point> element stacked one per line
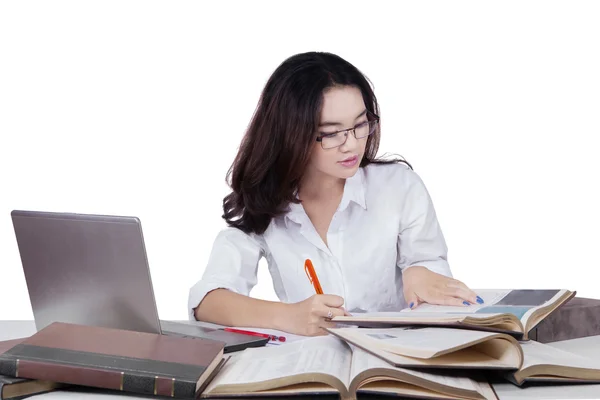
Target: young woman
<point>306,184</point>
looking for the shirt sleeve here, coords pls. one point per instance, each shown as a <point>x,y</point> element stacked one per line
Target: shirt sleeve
<point>420,238</point>
<point>232,265</point>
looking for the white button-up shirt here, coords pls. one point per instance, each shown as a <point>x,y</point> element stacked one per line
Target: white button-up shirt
<point>384,223</point>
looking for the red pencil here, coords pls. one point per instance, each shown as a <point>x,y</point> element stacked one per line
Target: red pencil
<point>258,334</point>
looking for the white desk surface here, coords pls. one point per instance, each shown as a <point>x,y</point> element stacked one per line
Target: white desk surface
<point>589,346</point>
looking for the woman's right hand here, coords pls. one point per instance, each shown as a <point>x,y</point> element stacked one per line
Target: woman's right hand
<point>310,316</point>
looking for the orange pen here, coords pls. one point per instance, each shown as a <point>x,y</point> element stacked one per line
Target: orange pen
<point>312,276</point>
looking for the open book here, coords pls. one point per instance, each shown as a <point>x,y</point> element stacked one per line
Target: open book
<point>437,347</point>
<point>544,363</point>
<point>328,365</point>
<point>510,311</point>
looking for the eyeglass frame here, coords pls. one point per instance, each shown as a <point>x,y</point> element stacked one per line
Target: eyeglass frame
<point>375,118</point>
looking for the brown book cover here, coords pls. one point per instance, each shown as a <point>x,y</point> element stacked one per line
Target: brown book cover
<point>578,318</point>
<point>116,359</point>
<point>13,388</point>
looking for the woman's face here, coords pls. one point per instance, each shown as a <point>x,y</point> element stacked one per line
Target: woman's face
<point>339,155</point>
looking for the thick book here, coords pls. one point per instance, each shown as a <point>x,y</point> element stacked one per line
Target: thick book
<point>326,365</point>
<point>515,312</point>
<point>437,347</point>
<point>578,318</point>
<point>18,388</point>
<point>13,388</point>
<point>544,363</point>
<point>116,359</point>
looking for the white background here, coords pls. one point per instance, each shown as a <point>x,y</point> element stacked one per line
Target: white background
<point>137,108</point>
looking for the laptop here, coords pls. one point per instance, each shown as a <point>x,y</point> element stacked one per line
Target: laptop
<point>93,270</point>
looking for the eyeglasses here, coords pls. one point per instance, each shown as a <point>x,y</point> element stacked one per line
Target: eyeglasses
<point>336,139</point>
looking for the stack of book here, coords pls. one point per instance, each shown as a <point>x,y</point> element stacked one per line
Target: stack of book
<point>429,352</point>
<point>62,355</point>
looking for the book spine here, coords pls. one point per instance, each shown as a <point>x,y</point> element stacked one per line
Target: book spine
<point>125,381</point>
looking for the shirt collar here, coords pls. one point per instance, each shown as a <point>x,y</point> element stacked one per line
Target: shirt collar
<point>354,191</point>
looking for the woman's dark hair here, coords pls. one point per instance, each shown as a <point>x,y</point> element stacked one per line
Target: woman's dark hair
<point>266,172</point>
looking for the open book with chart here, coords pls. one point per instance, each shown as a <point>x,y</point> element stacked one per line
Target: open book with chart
<point>515,312</point>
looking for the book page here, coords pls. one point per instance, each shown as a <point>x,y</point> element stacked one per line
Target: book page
<point>536,353</point>
<point>363,361</point>
<point>323,354</point>
<point>548,301</point>
<point>438,315</point>
<point>519,302</point>
<point>490,297</point>
<point>414,342</point>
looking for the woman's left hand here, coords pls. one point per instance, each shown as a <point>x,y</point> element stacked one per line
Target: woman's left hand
<point>424,286</point>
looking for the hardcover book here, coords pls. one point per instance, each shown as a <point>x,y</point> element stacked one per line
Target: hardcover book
<point>108,358</point>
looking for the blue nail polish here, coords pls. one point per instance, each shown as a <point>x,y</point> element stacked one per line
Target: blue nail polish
<point>479,300</point>
<point>411,305</point>
<point>466,303</point>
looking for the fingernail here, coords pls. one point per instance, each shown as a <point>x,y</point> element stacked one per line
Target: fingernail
<point>411,305</point>
<point>479,300</point>
<point>466,303</point>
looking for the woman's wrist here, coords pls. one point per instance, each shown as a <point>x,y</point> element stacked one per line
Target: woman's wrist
<point>282,316</point>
